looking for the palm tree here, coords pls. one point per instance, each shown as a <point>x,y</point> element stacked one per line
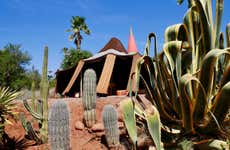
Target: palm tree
<point>77,25</point>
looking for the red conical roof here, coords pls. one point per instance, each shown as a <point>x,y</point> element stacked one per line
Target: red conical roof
<point>132,47</point>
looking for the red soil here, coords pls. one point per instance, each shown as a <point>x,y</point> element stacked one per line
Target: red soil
<point>79,139</point>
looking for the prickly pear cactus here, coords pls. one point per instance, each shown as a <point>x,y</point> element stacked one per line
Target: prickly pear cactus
<point>58,126</point>
<point>89,97</point>
<point>111,125</point>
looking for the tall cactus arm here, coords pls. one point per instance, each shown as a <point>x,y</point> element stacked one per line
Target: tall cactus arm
<point>32,133</point>
<point>23,121</point>
<point>34,114</point>
<point>29,129</point>
<point>44,95</point>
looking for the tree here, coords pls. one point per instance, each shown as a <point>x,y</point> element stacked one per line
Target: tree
<point>13,66</point>
<point>77,25</point>
<point>32,75</point>
<point>72,57</point>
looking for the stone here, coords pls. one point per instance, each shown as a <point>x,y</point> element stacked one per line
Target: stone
<point>79,125</point>
<point>98,127</point>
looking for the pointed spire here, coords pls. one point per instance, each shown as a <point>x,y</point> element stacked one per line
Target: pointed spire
<point>132,47</point>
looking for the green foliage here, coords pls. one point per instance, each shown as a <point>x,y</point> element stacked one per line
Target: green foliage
<point>7,98</point>
<point>188,82</point>
<point>109,115</point>
<point>89,97</point>
<point>77,26</point>
<point>72,57</point>
<point>29,129</point>
<point>41,112</point>
<point>147,114</point>
<point>33,76</point>
<point>58,126</point>
<point>13,64</point>
<point>129,119</point>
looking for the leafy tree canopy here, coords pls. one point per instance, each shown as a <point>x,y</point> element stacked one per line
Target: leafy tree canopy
<point>72,57</point>
<point>13,63</point>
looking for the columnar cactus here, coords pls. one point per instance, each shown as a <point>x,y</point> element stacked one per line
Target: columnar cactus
<point>44,91</point>
<point>58,126</point>
<point>89,97</point>
<point>111,125</point>
<point>41,113</point>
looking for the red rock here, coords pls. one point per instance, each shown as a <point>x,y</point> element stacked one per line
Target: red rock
<point>79,125</point>
<point>98,127</point>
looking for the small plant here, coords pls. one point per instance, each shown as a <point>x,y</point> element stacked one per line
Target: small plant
<point>111,126</point>
<point>89,97</point>
<point>58,126</point>
<point>7,97</point>
<point>41,112</point>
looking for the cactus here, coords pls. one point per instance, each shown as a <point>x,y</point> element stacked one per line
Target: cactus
<point>44,91</point>
<point>41,113</point>
<point>33,95</point>
<point>89,97</point>
<point>58,126</point>
<point>111,125</point>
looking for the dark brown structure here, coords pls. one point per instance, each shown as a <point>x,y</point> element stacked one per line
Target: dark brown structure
<point>112,65</point>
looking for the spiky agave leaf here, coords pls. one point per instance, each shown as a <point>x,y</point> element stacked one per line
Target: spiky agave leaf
<point>218,19</point>
<point>127,108</point>
<point>209,62</point>
<point>220,108</point>
<point>228,35</point>
<point>153,87</point>
<point>173,52</point>
<point>7,98</point>
<point>154,126</point>
<point>187,86</point>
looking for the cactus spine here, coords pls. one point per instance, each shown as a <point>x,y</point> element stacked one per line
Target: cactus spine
<point>89,97</point>
<point>58,126</point>
<point>41,117</point>
<point>111,126</point>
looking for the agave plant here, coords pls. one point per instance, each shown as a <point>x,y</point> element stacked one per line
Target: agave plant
<point>7,107</point>
<point>189,81</point>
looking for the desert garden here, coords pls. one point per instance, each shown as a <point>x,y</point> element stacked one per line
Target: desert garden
<point>179,98</point>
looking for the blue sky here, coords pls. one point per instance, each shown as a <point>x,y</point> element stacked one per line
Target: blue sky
<point>34,24</point>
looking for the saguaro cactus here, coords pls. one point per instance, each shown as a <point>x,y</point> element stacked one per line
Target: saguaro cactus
<point>89,97</point>
<point>111,125</point>
<point>58,126</point>
<point>42,113</point>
